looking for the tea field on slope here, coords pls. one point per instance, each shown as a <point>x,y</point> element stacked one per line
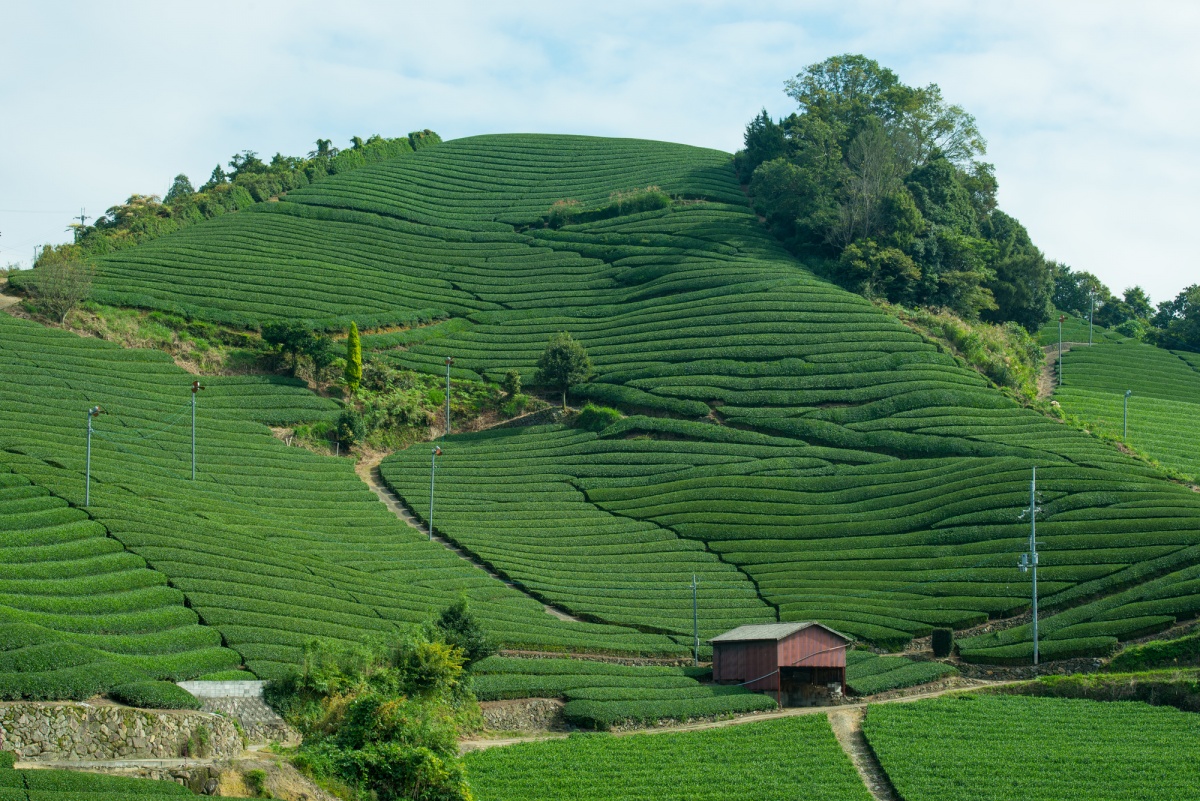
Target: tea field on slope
<point>772,760</point>
<point>1044,749</point>
<point>883,494</point>
<point>1164,409</point>
<point>269,545</point>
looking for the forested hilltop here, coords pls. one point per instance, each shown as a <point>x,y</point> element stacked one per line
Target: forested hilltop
<point>881,187</point>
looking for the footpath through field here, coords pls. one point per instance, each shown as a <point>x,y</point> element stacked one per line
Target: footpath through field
<point>968,685</point>
<point>368,470</point>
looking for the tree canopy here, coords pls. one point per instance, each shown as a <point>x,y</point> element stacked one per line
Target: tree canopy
<point>880,187</point>
<point>563,364</point>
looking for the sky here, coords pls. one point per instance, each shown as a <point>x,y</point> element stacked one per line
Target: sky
<point>1091,109</point>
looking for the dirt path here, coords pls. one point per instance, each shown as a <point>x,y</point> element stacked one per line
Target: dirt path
<point>1048,379</point>
<point>368,471</point>
<point>7,300</point>
<point>970,685</point>
<point>847,727</point>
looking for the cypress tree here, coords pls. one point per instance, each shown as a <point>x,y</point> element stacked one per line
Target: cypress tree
<point>354,371</point>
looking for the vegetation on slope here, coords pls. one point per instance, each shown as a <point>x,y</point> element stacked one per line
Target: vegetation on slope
<point>1043,749</point>
<point>750,762</point>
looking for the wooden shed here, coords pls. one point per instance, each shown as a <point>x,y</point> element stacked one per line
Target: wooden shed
<point>796,663</point>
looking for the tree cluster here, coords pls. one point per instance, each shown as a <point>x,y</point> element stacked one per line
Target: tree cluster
<point>383,718</point>
<point>246,179</point>
<point>879,186</point>
<point>1172,324</point>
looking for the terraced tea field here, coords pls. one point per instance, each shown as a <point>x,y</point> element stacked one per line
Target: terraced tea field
<point>1164,410</point>
<point>1043,749</point>
<point>270,545</point>
<point>768,761</point>
<point>601,695</point>
<point>804,454</point>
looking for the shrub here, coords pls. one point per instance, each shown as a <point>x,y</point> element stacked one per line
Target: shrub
<point>458,627</point>
<point>511,383</point>
<point>350,427</point>
<point>596,418</point>
<point>154,695</point>
<point>7,760</point>
<point>1159,654</point>
<point>943,642</point>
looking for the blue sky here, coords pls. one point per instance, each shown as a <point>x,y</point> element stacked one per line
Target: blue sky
<point>1091,109</point>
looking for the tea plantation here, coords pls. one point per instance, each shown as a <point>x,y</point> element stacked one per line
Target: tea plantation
<point>269,545</point>
<point>1164,409</point>
<point>768,761</point>
<point>1043,749</point>
<point>799,452</point>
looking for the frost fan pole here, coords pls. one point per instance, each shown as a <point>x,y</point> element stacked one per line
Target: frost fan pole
<point>1060,322</point>
<point>449,361</point>
<point>1125,421</point>
<point>1029,561</point>
<point>87,485</point>
<point>695,624</point>
<point>196,387</point>
<point>432,472</point>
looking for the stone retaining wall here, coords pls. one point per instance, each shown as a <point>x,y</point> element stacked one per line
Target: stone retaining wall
<point>54,731</point>
<point>523,714</point>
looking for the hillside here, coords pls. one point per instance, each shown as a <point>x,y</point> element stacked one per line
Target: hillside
<point>1164,407</point>
<point>801,452</point>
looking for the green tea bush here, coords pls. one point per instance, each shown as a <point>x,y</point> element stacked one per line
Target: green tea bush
<point>596,418</point>
<point>154,695</point>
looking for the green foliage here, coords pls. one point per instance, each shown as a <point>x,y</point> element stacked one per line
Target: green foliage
<point>867,674</point>
<point>878,181</point>
<point>1006,354</point>
<point>596,418</point>
<point>458,627</point>
<point>381,718</point>
<point>563,364</point>
<point>7,760</point>
<point>354,363</point>
<point>1035,748</point>
<point>60,284</point>
<point>249,181</point>
<point>749,762</point>
<point>1181,652</point>
<point>154,695</point>
<point>1173,687</point>
<point>943,642</point>
<point>350,427</point>
<point>511,383</point>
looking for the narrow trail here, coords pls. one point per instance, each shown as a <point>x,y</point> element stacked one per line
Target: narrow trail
<point>1048,379</point>
<point>7,300</point>
<point>477,744</point>
<point>368,470</point>
<point>847,727</point>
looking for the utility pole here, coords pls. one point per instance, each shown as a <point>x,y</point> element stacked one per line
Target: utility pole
<point>449,361</point>
<point>1125,426</point>
<point>1061,319</point>
<point>695,623</point>
<point>1029,560</point>
<point>432,472</point>
<point>83,218</point>
<point>87,486</point>
<point>1091,313</point>
<point>196,387</point>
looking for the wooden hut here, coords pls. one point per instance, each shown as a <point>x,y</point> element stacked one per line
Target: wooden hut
<point>798,664</point>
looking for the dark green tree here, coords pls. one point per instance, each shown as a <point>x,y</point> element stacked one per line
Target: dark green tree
<point>354,366</point>
<point>458,627</point>
<point>1178,321</point>
<point>181,190</point>
<point>563,364</point>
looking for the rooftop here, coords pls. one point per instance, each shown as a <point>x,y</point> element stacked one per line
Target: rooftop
<point>771,631</point>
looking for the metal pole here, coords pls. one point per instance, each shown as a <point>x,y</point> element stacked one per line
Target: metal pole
<point>196,387</point>
<point>449,361</point>
<point>1125,425</point>
<point>1060,322</point>
<point>1034,556</point>
<point>432,473</point>
<point>695,624</point>
<point>87,486</point>
<point>1091,314</point>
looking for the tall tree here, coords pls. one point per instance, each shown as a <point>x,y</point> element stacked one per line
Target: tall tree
<point>181,189</point>
<point>354,367</point>
<point>563,364</point>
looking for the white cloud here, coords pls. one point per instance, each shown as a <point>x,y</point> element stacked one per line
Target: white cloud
<point>1090,108</point>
